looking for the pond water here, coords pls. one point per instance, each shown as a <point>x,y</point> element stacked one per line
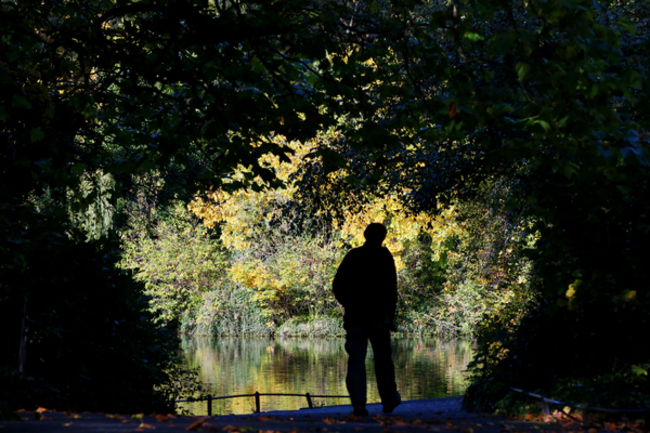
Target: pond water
<point>425,368</point>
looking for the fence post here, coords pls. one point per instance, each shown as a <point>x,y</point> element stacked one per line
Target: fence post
<point>545,409</point>
<point>257,402</point>
<point>309,403</point>
<point>209,405</point>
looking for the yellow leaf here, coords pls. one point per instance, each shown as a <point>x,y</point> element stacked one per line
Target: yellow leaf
<point>573,287</point>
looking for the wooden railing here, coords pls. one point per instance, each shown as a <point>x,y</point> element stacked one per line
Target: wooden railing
<point>257,395</point>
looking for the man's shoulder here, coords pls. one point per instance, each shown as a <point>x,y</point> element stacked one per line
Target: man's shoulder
<point>385,253</point>
<point>355,252</point>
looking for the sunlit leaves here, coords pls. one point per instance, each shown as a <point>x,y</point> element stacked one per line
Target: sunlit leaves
<point>175,259</point>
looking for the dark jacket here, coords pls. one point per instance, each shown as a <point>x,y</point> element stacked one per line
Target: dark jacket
<point>366,286</point>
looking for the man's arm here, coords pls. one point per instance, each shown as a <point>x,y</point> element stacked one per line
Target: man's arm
<point>341,281</point>
<point>391,293</point>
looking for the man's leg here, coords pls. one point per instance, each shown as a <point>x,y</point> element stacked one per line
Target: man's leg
<point>356,345</point>
<point>384,368</point>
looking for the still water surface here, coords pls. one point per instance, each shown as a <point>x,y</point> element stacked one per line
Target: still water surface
<point>425,368</point>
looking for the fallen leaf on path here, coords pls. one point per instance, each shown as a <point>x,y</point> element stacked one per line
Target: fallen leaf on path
<point>195,425</point>
<point>137,415</point>
<point>264,418</point>
<point>147,426</point>
<point>162,418</point>
<point>42,410</point>
<point>67,424</point>
<point>610,426</point>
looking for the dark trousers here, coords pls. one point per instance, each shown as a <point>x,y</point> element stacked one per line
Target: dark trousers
<point>356,345</point>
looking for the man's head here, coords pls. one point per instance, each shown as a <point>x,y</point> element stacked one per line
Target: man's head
<point>375,234</point>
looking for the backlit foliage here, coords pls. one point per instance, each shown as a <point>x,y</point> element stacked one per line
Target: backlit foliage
<point>288,261</point>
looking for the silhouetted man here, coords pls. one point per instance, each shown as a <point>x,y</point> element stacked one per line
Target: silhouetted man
<point>366,285</point>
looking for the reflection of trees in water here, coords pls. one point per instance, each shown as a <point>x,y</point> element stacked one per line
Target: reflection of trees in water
<point>424,368</point>
<point>431,368</point>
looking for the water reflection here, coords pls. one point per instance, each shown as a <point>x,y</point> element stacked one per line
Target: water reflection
<point>424,369</point>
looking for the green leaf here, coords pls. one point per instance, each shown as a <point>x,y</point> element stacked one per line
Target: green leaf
<point>78,169</point>
<point>35,134</point>
<point>544,124</point>
<point>523,69</point>
<point>19,101</point>
<point>627,25</point>
<point>4,114</point>
<point>473,36</point>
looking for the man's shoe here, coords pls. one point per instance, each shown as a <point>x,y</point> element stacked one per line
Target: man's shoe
<point>389,407</point>
<point>360,411</point>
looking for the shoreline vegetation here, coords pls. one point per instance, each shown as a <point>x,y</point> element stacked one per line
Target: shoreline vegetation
<point>246,264</point>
